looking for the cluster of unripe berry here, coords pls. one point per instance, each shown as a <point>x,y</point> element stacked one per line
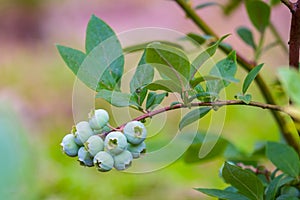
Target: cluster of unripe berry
<point>94,147</point>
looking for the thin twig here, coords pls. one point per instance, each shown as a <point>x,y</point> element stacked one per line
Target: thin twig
<point>201,104</point>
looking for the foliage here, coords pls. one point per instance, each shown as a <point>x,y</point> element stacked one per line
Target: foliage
<point>165,69</point>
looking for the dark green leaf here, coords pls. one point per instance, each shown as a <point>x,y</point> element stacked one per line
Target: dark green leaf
<point>169,61</point>
<point>207,4</point>
<point>225,69</point>
<point>284,158</point>
<point>222,194</point>
<point>250,77</point>
<point>115,98</point>
<point>191,155</point>
<point>290,80</point>
<point>196,38</point>
<point>245,98</point>
<point>244,180</point>
<point>143,75</point>
<point>287,197</point>
<point>104,63</point>
<point>193,116</point>
<point>259,14</point>
<point>204,56</point>
<point>166,85</point>
<point>72,57</point>
<point>231,6</point>
<point>154,100</point>
<point>247,36</point>
<point>276,183</point>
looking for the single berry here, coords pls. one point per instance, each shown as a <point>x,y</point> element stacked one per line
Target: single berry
<point>123,160</point>
<point>98,119</point>
<point>115,142</point>
<point>94,144</point>
<point>85,158</point>
<point>105,129</point>
<point>103,161</point>
<point>137,150</point>
<point>69,146</point>
<point>135,132</point>
<point>82,132</point>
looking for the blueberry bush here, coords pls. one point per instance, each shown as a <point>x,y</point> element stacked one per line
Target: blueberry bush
<point>166,69</point>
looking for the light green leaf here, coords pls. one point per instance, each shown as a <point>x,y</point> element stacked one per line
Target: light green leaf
<point>199,79</point>
<point>72,57</point>
<point>250,77</point>
<point>225,69</point>
<point>169,61</point>
<point>204,56</point>
<point>284,158</point>
<point>115,98</point>
<point>247,36</point>
<point>196,38</point>
<point>259,14</point>
<point>222,194</point>
<point>245,181</point>
<point>290,80</point>
<point>193,116</point>
<point>245,98</point>
<point>104,63</point>
<point>143,75</point>
<point>166,85</point>
<point>154,100</point>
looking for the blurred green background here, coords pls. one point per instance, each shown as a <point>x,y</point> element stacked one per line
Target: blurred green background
<point>36,100</point>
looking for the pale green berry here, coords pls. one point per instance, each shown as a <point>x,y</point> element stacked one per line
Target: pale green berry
<point>69,146</point>
<point>82,132</point>
<point>137,150</point>
<point>135,132</point>
<point>115,143</point>
<point>103,161</point>
<point>85,158</point>
<point>123,160</point>
<point>94,144</point>
<point>105,129</point>
<point>98,119</point>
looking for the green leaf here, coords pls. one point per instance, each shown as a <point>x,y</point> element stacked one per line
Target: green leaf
<point>287,197</point>
<point>191,155</point>
<point>72,57</point>
<point>259,14</point>
<point>115,98</point>
<point>245,98</point>
<point>222,194</point>
<point>154,100</point>
<point>204,56</point>
<point>193,116</point>
<point>169,61</point>
<point>200,79</point>
<point>104,63</point>
<point>284,158</point>
<point>207,4</point>
<point>276,183</point>
<point>143,75</point>
<point>274,2</point>
<point>196,38</point>
<point>231,6</point>
<point>290,80</point>
<point>244,180</point>
<point>247,36</point>
<point>250,77</point>
<point>225,69</point>
<point>166,85</point>
<point>97,31</point>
